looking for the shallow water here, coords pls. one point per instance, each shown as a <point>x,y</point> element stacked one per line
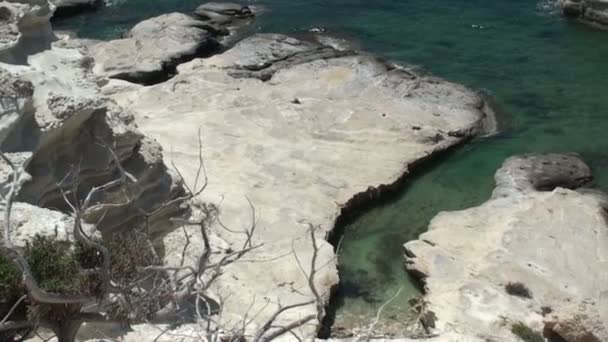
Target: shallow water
<point>547,73</point>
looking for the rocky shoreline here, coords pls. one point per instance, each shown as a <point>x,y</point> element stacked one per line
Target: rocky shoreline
<point>528,256</point>
<point>301,131</point>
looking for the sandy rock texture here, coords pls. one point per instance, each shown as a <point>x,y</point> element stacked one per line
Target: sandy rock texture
<point>24,29</point>
<point>153,48</point>
<point>530,254</point>
<point>299,129</point>
<point>593,12</point>
<point>57,125</point>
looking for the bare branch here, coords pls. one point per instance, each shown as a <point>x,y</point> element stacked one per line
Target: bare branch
<point>367,336</point>
<point>10,312</point>
<point>289,327</point>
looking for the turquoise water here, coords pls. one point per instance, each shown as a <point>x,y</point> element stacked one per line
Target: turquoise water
<point>547,73</point>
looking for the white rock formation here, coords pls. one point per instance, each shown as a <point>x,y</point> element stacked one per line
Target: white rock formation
<point>154,47</point>
<point>24,29</point>
<point>299,129</point>
<point>54,121</point>
<point>533,231</point>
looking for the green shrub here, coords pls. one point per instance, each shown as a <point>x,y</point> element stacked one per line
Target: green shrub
<point>526,334</point>
<point>10,281</point>
<point>88,257</point>
<point>54,266</point>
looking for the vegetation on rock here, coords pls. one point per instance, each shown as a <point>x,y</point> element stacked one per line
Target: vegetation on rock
<point>526,333</point>
<point>519,290</point>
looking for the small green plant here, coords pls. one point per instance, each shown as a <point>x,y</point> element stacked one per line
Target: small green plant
<point>54,266</point>
<point>526,334</point>
<point>519,290</point>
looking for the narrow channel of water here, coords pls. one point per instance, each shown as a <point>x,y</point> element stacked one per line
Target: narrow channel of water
<point>548,73</point>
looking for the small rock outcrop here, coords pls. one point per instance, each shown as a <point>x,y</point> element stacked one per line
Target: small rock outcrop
<point>593,12</point>
<point>24,29</point>
<point>530,255</point>
<point>224,19</point>
<point>153,48</point>
<point>299,129</point>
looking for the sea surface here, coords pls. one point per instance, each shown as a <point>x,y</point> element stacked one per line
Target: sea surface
<point>548,76</point>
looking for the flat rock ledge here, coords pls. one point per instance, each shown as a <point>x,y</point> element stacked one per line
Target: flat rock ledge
<point>532,254</point>
<point>151,50</point>
<point>301,130</point>
<point>592,12</point>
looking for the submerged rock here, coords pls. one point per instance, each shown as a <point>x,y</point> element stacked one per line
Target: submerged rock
<point>531,254</point>
<point>593,12</point>
<point>298,162</point>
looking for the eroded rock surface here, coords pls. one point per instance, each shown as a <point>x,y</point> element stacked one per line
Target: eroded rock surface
<point>61,129</point>
<point>299,129</point>
<point>530,254</point>
<point>593,12</point>
<point>153,48</point>
<point>24,29</point>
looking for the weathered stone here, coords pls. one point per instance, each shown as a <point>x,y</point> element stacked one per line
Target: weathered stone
<point>298,163</point>
<point>224,8</point>
<point>24,29</point>
<point>593,12</point>
<point>534,232</point>
<point>54,111</point>
<point>28,220</point>
<point>153,48</point>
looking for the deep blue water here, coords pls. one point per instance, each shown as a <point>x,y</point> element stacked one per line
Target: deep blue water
<point>547,73</point>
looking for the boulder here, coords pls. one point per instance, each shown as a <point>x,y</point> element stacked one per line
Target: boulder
<point>592,12</point>
<point>24,29</point>
<point>223,14</point>
<point>528,256</point>
<point>223,8</point>
<point>28,221</point>
<point>153,48</point>
<point>299,129</point>
<point>150,52</point>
